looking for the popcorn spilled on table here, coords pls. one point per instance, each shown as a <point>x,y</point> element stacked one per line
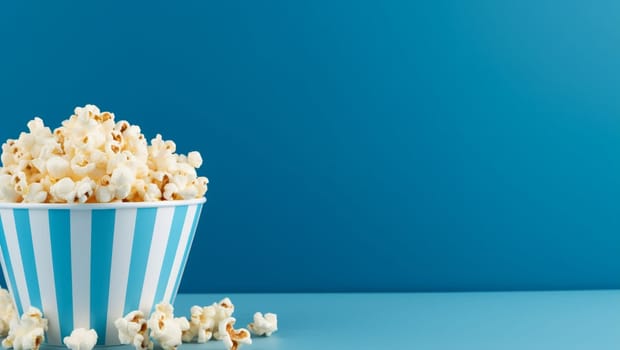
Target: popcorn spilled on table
<point>214,321</point>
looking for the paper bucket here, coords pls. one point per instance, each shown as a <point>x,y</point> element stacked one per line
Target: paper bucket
<point>85,265</point>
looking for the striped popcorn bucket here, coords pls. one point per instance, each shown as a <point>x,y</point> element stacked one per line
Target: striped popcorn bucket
<point>85,265</point>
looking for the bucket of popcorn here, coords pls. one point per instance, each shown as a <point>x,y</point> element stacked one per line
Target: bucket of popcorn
<point>95,221</point>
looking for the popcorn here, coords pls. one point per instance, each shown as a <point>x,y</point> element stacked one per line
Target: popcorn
<point>35,193</point>
<point>57,167</point>
<point>202,324</point>
<point>80,165</point>
<point>233,338</point>
<point>264,325</point>
<point>7,312</point>
<point>64,190</point>
<point>161,154</point>
<point>204,321</point>
<point>165,328</point>
<point>132,329</point>
<point>188,192</point>
<point>84,189</point>
<point>81,339</point>
<point>104,194</point>
<point>223,310</point>
<point>121,180</point>
<point>28,332</point>
<point>171,191</point>
<point>194,159</point>
<point>152,193</point>
<point>91,158</point>
<point>19,179</point>
<point>7,189</point>
<point>216,321</point>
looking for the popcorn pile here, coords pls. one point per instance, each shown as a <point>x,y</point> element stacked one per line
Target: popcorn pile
<point>91,158</point>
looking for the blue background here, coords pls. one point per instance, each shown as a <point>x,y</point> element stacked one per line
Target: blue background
<point>357,145</point>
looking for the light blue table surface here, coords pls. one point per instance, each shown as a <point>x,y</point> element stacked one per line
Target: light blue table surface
<point>507,320</point>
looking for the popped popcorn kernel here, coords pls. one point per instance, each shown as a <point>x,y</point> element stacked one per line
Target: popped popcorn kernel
<point>233,338</point>
<point>7,189</point>
<point>7,312</point>
<point>133,330</point>
<point>93,158</point>
<point>84,189</point>
<point>165,328</point>
<point>57,167</point>
<point>194,159</point>
<point>223,310</point>
<point>202,324</point>
<point>35,193</point>
<point>264,325</point>
<point>63,190</point>
<point>81,339</point>
<point>121,180</point>
<point>27,333</point>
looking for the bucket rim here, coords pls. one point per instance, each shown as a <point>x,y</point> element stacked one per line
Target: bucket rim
<point>102,206</point>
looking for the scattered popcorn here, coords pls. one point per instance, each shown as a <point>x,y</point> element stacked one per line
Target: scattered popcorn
<point>91,158</point>
<point>264,325</point>
<point>204,321</point>
<point>202,324</point>
<point>132,329</point>
<point>81,339</point>
<point>7,312</point>
<point>233,338</point>
<point>223,310</point>
<point>165,328</point>
<point>27,333</point>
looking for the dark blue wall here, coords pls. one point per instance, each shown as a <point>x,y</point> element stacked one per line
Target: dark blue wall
<point>357,145</point>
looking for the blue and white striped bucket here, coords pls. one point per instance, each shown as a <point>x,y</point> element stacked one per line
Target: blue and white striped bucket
<point>85,265</point>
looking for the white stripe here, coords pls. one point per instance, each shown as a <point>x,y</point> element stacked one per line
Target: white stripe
<point>7,280</point>
<point>124,223</point>
<point>8,222</point>
<point>80,267</point>
<point>42,245</point>
<point>176,266</point>
<point>163,223</point>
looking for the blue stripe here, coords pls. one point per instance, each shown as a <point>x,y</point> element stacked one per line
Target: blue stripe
<point>9,269</point>
<point>102,237</point>
<point>140,249</point>
<point>173,242</point>
<point>24,237</point>
<point>60,236</point>
<point>186,253</point>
